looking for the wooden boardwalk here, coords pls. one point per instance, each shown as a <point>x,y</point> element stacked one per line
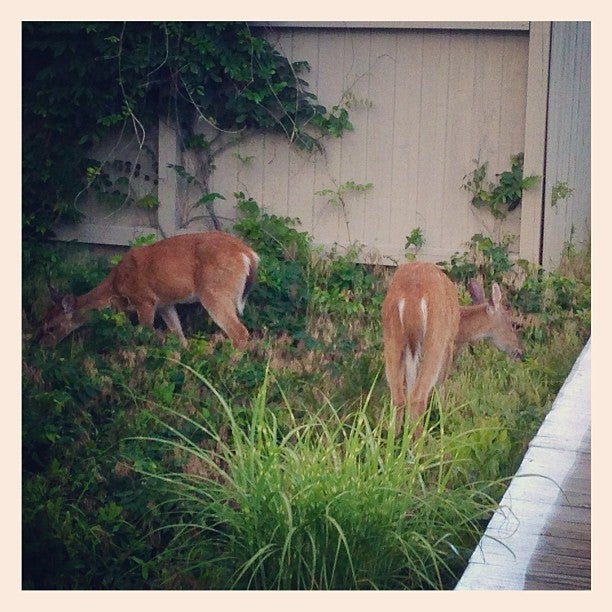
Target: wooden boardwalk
<point>540,537</point>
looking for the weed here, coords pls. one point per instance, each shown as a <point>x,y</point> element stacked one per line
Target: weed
<point>414,242</point>
<point>560,191</point>
<point>507,192</point>
<point>337,197</point>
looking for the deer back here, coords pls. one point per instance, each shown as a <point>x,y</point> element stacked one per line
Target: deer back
<point>214,268</point>
<point>421,307</point>
<point>178,269</point>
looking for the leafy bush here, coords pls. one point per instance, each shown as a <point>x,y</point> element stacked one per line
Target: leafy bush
<point>146,465</point>
<point>486,260</point>
<point>279,299</point>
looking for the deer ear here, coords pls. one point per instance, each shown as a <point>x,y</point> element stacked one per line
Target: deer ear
<point>476,292</point>
<point>496,296</point>
<point>68,303</point>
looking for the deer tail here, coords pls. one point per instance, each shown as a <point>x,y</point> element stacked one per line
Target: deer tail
<point>251,263</point>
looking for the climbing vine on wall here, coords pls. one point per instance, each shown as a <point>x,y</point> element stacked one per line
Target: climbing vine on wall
<point>506,194</point>
<point>81,80</point>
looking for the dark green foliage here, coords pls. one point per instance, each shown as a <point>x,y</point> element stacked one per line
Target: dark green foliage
<point>544,290</point>
<point>486,260</point>
<point>280,297</point>
<point>82,79</point>
<point>299,430</point>
<point>507,193</point>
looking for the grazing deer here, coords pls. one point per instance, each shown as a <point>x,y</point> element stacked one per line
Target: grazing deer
<point>214,268</point>
<point>423,325</point>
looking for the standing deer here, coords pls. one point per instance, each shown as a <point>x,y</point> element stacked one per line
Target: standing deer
<point>214,268</point>
<point>423,325</point>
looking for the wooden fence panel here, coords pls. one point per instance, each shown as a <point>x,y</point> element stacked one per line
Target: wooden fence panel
<point>425,103</point>
<point>123,159</point>
<point>568,141</point>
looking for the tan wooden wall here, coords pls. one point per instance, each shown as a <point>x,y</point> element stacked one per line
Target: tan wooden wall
<point>121,223</point>
<point>568,140</point>
<point>425,102</point>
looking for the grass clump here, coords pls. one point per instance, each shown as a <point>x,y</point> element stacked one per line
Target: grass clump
<point>323,502</point>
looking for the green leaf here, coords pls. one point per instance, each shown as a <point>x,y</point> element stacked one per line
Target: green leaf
<point>530,182</point>
<point>148,201</point>
<point>209,197</point>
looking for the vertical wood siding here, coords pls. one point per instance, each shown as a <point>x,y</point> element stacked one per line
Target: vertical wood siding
<point>568,139</point>
<point>121,222</point>
<point>425,105</point>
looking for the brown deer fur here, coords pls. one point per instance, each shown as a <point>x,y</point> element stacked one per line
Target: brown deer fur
<point>423,325</point>
<point>214,268</point>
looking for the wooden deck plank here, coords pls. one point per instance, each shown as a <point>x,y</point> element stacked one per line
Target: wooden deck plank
<point>564,565</point>
<point>561,561</point>
<point>556,582</point>
<point>561,547</point>
<point>540,536</point>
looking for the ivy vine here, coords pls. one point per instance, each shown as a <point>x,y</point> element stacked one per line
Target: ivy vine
<point>81,80</point>
<point>506,193</point>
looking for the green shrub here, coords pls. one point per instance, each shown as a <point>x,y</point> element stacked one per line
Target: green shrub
<point>298,422</point>
<point>279,300</point>
<point>485,259</point>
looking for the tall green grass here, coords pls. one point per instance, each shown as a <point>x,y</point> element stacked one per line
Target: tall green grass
<point>284,472</point>
<point>323,502</point>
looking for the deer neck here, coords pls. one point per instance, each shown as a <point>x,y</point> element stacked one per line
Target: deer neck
<point>99,297</point>
<point>472,324</point>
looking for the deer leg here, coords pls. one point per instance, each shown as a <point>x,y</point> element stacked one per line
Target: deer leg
<point>446,366</point>
<point>430,372</point>
<point>172,321</point>
<point>223,313</point>
<point>418,405</point>
<point>146,313</point>
<point>417,410</point>
<point>395,373</point>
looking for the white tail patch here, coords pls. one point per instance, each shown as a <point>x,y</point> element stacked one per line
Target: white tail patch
<point>424,315</point>
<point>412,361</point>
<point>240,297</point>
<point>411,365</point>
<point>401,306</point>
